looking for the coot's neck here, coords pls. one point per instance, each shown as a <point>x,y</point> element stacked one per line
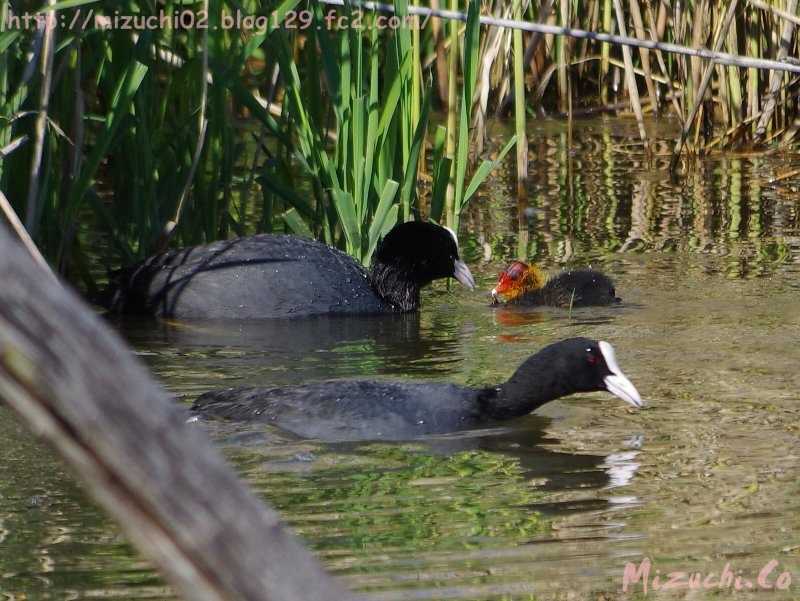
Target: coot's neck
<point>394,285</point>
<point>537,381</point>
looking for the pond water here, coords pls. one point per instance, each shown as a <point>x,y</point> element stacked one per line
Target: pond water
<point>550,506</point>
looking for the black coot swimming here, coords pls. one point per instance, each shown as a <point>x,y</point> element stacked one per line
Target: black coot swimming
<point>373,410</point>
<point>271,276</point>
<point>522,284</point>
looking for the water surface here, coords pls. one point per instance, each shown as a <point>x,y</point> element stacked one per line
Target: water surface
<point>553,505</point>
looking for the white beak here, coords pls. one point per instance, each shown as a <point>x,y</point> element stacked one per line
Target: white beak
<point>617,383</point>
<point>462,273</point>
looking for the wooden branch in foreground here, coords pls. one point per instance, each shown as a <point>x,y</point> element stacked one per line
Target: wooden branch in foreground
<point>78,387</point>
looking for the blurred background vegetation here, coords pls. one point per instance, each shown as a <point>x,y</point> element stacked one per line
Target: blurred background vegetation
<point>207,126</point>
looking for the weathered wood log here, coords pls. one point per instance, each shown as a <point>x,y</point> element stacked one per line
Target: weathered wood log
<point>76,385</point>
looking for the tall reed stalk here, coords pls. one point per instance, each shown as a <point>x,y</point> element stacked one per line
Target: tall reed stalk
<point>519,112</point>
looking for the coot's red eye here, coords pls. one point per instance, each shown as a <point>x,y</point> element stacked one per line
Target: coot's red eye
<point>592,359</point>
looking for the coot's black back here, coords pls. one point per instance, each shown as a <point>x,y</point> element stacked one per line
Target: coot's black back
<point>256,277</point>
<point>575,288</point>
<point>350,409</point>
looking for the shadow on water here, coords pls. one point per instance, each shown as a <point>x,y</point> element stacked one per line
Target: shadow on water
<point>260,351</point>
<point>550,506</point>
<point>529,444</point>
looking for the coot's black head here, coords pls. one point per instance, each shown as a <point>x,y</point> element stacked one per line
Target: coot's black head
<point>570,366</point>
<point>423,252</point>
<point>592,366</point>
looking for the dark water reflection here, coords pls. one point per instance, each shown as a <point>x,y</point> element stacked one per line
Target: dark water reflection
<point>601,195</point>
<point>550,506</point>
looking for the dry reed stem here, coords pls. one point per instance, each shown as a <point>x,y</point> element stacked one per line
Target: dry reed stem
<point>452,107</point>
<point>637,71</point>
<point>716,56</point>
<point>519,111</point>
<point>775,77</point>
<point>31,206</point>
<point>594,9</point>
<point>644,54</point>
<point>537,37</point>
<point>561,43</point>
<point>661,63</point>
<point>13,145</point>
<point>698,40</point>
<point>784,176</point>
<point>605,51</point>
<point>169,227</point>
<point>633,91</point>
<point>491,47</point>
<point>698,101</point>
<point>16,225</point>
<point>788,15</point>
<point>734,81</point>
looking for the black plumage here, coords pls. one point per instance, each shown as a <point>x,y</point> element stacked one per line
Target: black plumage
<point>278,276</point>
<point>375,410</point>
<point>527,285</point>
<point>574,288</point>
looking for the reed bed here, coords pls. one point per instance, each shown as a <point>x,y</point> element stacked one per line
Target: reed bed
<point>337,122</point>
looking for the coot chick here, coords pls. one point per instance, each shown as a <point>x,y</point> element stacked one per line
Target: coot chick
<point>375,410</point>
<point>271,276</point>
<point>521,284</point>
